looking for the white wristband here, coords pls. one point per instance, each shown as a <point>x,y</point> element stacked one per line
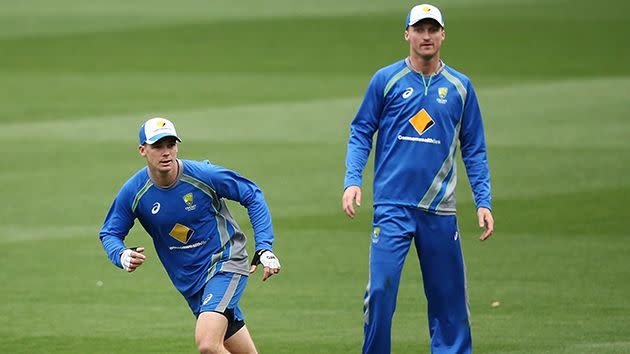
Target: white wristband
<point>268,259</point>
<point>125,259</point>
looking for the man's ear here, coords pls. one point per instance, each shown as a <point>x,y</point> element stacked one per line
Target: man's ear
<point>142,150</point>
<point>406,35</point>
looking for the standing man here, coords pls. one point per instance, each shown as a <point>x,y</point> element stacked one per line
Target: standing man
<point>181,205</point>
<point>421,108</point>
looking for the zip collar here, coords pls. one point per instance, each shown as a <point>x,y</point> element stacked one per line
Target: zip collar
<point>424,82</point>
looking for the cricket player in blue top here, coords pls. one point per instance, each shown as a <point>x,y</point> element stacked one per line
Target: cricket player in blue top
<point>422,109</point>
<point>181,205</point>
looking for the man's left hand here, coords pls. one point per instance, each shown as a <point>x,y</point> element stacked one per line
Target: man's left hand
<point>268,260</point>
<point>486,222</point>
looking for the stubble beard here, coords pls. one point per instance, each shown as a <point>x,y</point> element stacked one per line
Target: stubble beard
<point>428,57</point>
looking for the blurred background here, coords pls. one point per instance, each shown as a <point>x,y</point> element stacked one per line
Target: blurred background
<point>268,88</point>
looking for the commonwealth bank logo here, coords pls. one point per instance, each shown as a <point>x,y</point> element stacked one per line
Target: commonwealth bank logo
<point>422,121</point>
<point>181,233</point>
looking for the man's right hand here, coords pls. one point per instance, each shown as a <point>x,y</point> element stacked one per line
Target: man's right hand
<point>132,258</point>
<point>351,195</point>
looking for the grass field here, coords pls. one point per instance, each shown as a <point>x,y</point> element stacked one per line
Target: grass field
<point>269,89</point>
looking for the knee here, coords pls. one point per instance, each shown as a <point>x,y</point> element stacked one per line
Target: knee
<point>377,292</point>
<point>209,347</point>
<point>386,286</point>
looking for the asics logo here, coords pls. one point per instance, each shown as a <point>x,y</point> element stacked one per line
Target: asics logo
<point>407,92</point>
<point>207,299</point>
<point>156,208</point>
<point>456,235</point>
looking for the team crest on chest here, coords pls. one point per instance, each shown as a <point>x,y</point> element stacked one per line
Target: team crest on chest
<point>188,199</point>
<point>442,92</point>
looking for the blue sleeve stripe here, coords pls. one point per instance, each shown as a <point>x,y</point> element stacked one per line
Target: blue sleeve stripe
<point>139,195</point>
<point>458,85</point>
<point>395,78</point>
<point>436,185</point>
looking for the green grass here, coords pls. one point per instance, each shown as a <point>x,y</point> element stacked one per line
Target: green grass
<point>269,91</point>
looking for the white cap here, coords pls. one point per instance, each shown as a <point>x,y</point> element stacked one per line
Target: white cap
<point>155,129</point>
<point>420,12</point>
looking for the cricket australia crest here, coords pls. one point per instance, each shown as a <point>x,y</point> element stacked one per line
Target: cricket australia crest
<point>442,92</point>
<point>188,199</point>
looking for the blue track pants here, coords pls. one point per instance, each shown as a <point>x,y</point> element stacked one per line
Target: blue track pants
<point>437,243</point>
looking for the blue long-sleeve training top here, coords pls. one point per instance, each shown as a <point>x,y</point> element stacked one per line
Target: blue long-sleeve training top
<point>193,232</point>
<point>420,120</point>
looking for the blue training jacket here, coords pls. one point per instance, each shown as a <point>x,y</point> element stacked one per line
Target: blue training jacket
<point>420,121</point>
<point>193,232</point>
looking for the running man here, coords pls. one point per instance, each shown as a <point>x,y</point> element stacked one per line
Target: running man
<point>181,205</point>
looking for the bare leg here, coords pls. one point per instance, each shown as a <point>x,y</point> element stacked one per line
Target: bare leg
<point>241,342</point>
<point>209,333</point>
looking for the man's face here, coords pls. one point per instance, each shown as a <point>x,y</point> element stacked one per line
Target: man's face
<point>425,38</point>
<point>161,156</point>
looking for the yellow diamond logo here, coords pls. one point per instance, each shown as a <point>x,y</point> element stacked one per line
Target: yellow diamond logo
<point>181,233</point>
<point>426,9</point>
<point>422,121</point>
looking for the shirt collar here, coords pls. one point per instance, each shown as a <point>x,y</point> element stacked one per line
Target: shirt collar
<point>439,69</point>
